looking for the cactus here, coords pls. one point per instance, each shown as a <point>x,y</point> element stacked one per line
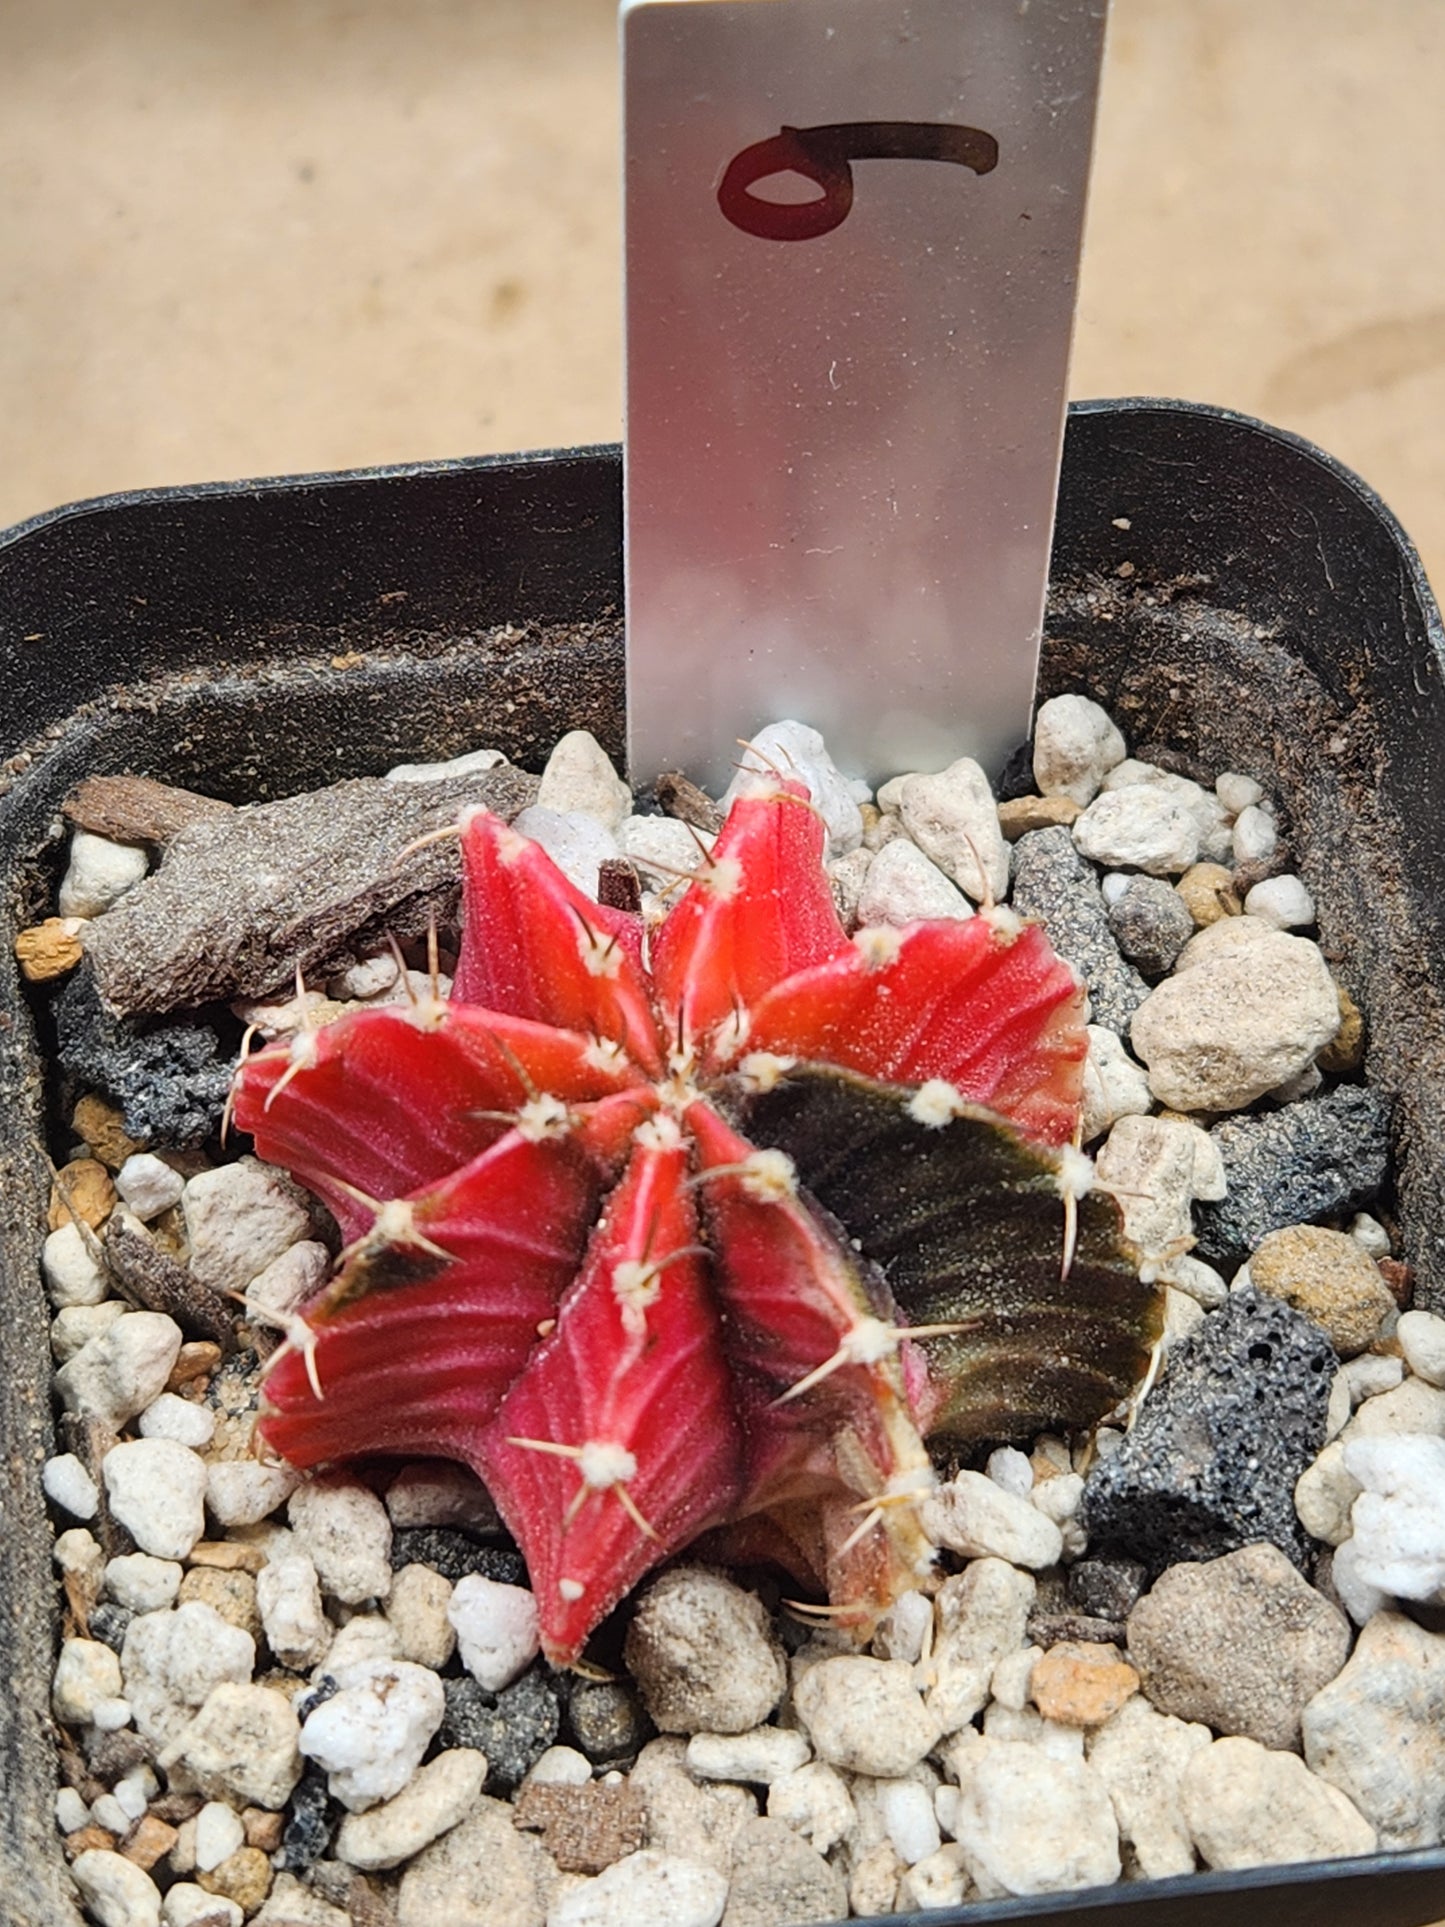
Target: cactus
<point>701,1229</point>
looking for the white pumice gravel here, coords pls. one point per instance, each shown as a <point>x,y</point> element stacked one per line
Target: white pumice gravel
<point>576,842</point>
<point>219,1833</point>
<point>902,886</point>
<point>436,1798</point>
<point>148,1185</point>
<point>65,1480</point>
<point>978,1519</point>
<point>497,1629</point>
<point>865,1715</point>
<point>1282,901</point>
<point>475,762</point>
<point>759,1758</point>
<point>118,1373</point>
<point>371,1734</point>
<point>344,1528</point>
<point>953,819</point>
<point>579,777</point>
<point>99,874</point>
<point>1076,744</point>
<point>1139,828</point>
<point>157,1491</point>
<point>288,1598</point>
<point>117,1892</point>
<point>645,1886</point>
<point>181,1420</point>
<point>74,1273</point>
<point>797,750</point>
<point>242,1492</point>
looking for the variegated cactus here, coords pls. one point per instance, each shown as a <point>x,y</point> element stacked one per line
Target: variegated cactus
<point>702,1229</point>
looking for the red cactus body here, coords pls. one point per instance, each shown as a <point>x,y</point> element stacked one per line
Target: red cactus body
<point>570,1263</point>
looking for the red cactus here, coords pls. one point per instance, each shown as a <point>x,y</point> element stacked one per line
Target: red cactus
<point>603,1210</point>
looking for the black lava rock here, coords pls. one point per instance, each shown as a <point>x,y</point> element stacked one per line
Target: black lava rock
<point>308,1823</point>
<point>1315,1159</point>
<point>1150,924</point>
<point>1212,1461</point>
<point>108,1623</point>
<point>1106,1588</point>
<point>306,1704</point>
<point>1054,1629</point>
<point>608,1722</point>
<point>455,1554</point>
<point>170,1080</point>
<point>513,1728</point>
<point>1052,882</point>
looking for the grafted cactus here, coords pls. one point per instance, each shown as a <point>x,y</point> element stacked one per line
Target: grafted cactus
<point>702,1229</point>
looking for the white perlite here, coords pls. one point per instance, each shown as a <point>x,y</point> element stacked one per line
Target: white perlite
<point>904,886</point>
<point>117,1892</point>
<point>288,1598</point>
<point>1422,1339</point>
<point>953,819</point>
<point>219,1833</point>
<point>973,1516</point>
<point>1397,1520</point>
<point>438,1797</point>
<point>1248,1807</point>
<point>1114,1085</point>
<point>765,1754</point>
<point>1377,1731</point>
<point>86,1673</point>
<point>579,777</point>
<point>645,1886</point>
<point>74,1274</point>
<point>865,1715</point>
<point>241,1746</point>
<point>1141,1756</point>
<point>370,1736</point>
<point>982,1616</point>
<point>815,1802</point>
<point>1076,744</point>
<point>99,874</point>
<point>1138,828</point>
<point>148,1185</point>
<point>239,1219</point>
<point>498,1633</point>
<point>1236,1023</point>
<point>118,1373</point>
<point>173,1662</point>
<point>142,1582</point>
<point>343,1526</point>
<point>576,842</point>
<point>181,1420</point>
<point>1029,1823</point>
<point>157,1491</point>
<point>242,1492</point>
<point>66,1481</point>
<point>796,750</point>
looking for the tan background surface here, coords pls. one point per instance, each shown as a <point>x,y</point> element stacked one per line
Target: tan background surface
<point>242,237</point>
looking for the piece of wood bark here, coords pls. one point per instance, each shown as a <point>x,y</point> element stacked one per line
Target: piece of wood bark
<point>137,809</point>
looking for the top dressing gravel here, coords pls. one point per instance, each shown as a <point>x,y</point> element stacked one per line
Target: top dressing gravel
<point>1189,1636</point>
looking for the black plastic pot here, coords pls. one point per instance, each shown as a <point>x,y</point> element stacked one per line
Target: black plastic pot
<point>1223,588</point>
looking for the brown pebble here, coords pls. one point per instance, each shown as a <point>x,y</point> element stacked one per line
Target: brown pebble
<point>226,1555</point>
<point>1399,1280</point>
<point>1345,1052</point>
<point>82,1189</point>
<point>193,1361</point>
<point>1209,894</point>
<point>1021,814</point>
<point>1081,1684</point>
<point>584,1828</point>
<point>85,1838</point>
<point>243,1876</point>
<point>148,1841</point>
<point>1326,1275</point>
<point>50,949</point>
<point>177,1808</point>
<point>97,1122</point>
<point>230,1593</point>
<point>263,1828</point>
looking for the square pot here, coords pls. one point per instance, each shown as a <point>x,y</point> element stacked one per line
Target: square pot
<point>1221,587</point>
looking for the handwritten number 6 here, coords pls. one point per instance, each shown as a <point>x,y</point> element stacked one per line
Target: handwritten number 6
<point>822,155</point>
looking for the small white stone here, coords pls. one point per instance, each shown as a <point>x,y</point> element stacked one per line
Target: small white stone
<point>343,1526</point>
<point>865,1715</point>
<point>1114,1085</point>
<point>1029,1823</point>
<point>1011,1469</point>
<point>953,819</point>
<point>1236,792</point>
<point>78,1553</point>
<point>1201,1281</point>
<point>371,1734</point>
<point>417,1610</point>
<point>290,1279</point>
<point>86,1671</point>
<point>179,1419</point>
<point>475,762</point>
<point>560,1766</point>
<point>1058,1499</point>
<point>847,876</point>
<point>938,1881</point>
<point>1248,1807</point>
<point>982,1617</point>
<point>1255,837</point>
<point>1412,1407</point>
<point>973,1516</point>
<point>116,1375</point>
<point>760,1757</point>
<point>241,1746</point>
<point>435,1492</point>
<point>242,1492</point>
<point>157,1492</point>
<point>904,1629</point>
<point>1013,1676</point>
<point>1422,1339</point>
<point>497,1629</point>
<point>360,982</point>
<point>799,752</point>
<point>1281,901</point>
<point>108,1812</point>
<point>99,874</point>
<point>1370,1233</point>
<point>661,846</point>
<point>903,886</point>
<point>645,1886</point>
<point>579,777</point>
<point>1361,1600</point>
<point>136,1790</point>
<point>110,1715</point>
<point>173,1662</point>
<point>576,842</point>
<point>364,1637</point>
<point>1026,1726</point>
<point>906,1807</point>
<point>239,1218</point>
<point>72,1329</point>
<point>815,1802</point>
<point>1076,744</point>
<point>1141,1756</point>
<point>1208,814</point>
<point>1372,1373</point>
<point>219,1833</point>
<point>73,1274</point>
<point>117,1892</point>
<point>1138,828</point>
<point>288,1598</point>
<point>148,1185</point>
<point>187,1905</point>
<point>1324,1494</point>
<point>439,1795</point>
<point>65,1480</point>
<point>1398,1521</point>
<point>71,1812</point>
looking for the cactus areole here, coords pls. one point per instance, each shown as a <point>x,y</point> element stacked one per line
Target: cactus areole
<point>702,1228</point>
